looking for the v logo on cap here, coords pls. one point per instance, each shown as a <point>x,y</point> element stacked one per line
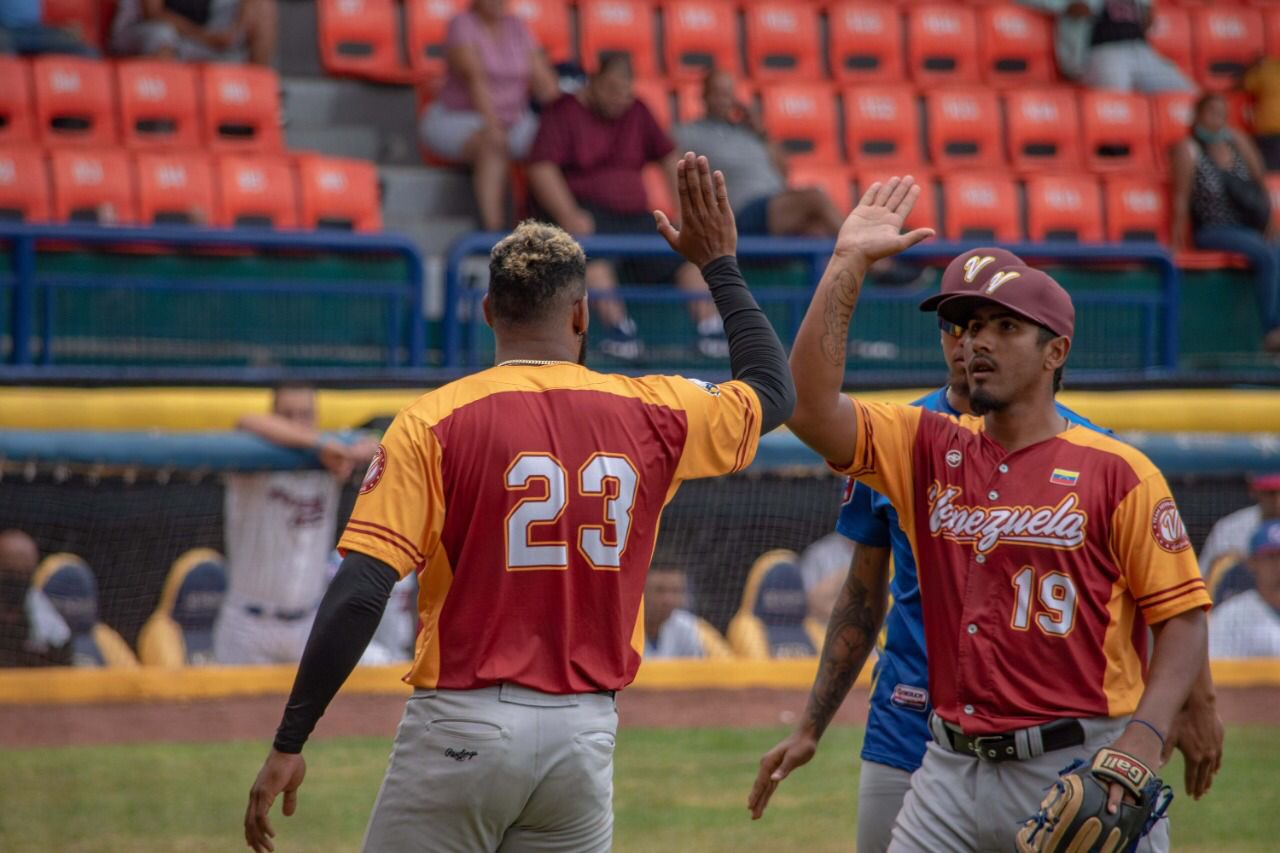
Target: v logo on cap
<point>974,265</point>
<point>1000,279</point>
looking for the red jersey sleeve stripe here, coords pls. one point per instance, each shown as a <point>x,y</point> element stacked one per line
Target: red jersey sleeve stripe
<point>1165,591</point>
<point>417,560</point>
<point>1174,596</point>
<point>868,427</point>
<point>401,538</point>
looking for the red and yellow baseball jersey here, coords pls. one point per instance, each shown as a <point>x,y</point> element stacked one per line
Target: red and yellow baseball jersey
<point>1040,569</point>
<point>527,498</point>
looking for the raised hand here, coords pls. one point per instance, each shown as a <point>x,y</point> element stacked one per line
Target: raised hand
<point>707,229</point>
<point>873,230</point>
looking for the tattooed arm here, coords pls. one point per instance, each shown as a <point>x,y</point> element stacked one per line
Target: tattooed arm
<point>824,418</point>
<point>851,634</point>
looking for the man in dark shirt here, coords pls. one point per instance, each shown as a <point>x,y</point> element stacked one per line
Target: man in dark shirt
<point>586,174</point>
<point>1103,43</point>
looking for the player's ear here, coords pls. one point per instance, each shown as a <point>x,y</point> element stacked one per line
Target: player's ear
<point>488,315</point>
<point>581,315</point>
<point>1056,352</point>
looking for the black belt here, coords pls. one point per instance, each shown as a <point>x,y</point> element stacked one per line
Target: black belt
<point>1060,734</point>
<point>283,615</point>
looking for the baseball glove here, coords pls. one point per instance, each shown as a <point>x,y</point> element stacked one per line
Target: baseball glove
<point>1073,816</point>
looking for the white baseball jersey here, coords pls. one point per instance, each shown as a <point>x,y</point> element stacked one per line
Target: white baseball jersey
<point>280,529</point>
<point>1230,535</point>
<point>1244,627</point>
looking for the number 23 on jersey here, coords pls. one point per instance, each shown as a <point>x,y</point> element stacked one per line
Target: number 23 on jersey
<point>608,478</point>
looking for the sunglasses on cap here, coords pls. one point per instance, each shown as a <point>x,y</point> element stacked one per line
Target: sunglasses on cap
<point>950,328</point>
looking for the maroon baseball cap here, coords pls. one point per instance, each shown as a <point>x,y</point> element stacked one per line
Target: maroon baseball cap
<point>1021,289</point>
<point>969,270</point>
<point>1266,482</point>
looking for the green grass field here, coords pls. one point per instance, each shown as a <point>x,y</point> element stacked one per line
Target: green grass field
<point>675,790</point>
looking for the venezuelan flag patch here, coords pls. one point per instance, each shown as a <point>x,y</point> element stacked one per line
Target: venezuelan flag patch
<point>1063,477</point>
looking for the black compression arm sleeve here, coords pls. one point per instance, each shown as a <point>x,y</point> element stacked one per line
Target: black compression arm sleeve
<point>755,354</point>
<point>347,619</point>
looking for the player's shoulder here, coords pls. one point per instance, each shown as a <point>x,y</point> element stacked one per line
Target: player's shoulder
<point>1111,449</point>
<point>1080,420</point>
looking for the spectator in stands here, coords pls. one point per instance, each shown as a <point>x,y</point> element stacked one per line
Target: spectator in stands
<point>280,528</point>
<point>482,116</point>
<point>732,135</point>
<point>824,565</point>
<point>671,631</point>
<point>1249,624</point>
<point>585,174</point>
<point>1227,546</point>
<point>31,631</point>
<point>1219,190</point>
<point>1103,44</point>
<point>197,30</point>
<point>1262,81</point>
<point>23,31</point>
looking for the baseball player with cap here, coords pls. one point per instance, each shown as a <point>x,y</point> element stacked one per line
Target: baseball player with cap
<point>527,498</point>
<point>1249,624</point>
<point>897,725</point>
<point>1045,551</point>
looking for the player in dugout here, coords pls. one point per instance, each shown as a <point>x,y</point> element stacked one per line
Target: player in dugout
<point>1045,550</point>
<point>527,499</point>
<point>897,722</point>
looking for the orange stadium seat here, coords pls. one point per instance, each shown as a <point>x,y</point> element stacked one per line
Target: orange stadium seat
<point>426,24</point>
<point>176,188</point>
<point>75,101</point>
<point>925,213</point>
<point>17,112</point>
<point>257,191</point>
<point>941,44</point>
<point>782,41</point>
<point>1273,189</point>
<point>866,42</point>
<point>241,108</point>
<point>83,17</point>
<point>158,104</point>
<point>360,38</point>
<point>618,26</point>
<point>1116,132</point>
<point>1170,35</point>
<point>1064,208</point>
<point>1137,209</point>
<point>882,125</point>
<point>699,35</point>
<point>1226,40</point>
<point>802,118</point>
<point>1171,121</point>
<point>338,193</point>
<point>981,207</point>
<point>1015,46</point>
<point>964,128</point>
<point>1043,129</point>
<point>92,186</point>
<point>657,97</point>
<point>689,101</point>
<point>548,20</point>
<point>24,185</point>
<point>833,181</point>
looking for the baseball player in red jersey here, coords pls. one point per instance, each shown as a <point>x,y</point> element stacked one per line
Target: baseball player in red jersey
<point>1045,550</point>
<point>527,499</point>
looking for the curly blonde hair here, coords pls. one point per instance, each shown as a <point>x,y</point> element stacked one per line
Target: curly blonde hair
<point>532,270</point>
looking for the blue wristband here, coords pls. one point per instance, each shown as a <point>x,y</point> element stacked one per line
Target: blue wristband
<point>1148,725</point>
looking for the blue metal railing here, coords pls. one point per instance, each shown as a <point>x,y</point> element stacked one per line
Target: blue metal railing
<point>1158,337</point>
<point>406,341</point>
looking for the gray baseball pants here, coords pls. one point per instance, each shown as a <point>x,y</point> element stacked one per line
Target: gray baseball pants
<point>958,802</point>
<point>502,768</point>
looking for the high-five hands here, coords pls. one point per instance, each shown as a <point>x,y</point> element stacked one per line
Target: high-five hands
<point>873,230</point>
<point>707,230</point>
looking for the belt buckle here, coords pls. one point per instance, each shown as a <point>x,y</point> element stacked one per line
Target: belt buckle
<point>980,747</point>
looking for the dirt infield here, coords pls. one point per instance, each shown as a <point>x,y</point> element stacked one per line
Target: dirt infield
<point>255,718</point>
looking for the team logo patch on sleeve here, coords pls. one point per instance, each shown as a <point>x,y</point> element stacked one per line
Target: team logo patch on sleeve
<point>912,698</point>
<point>377,465</point>
<point>1167,527</point>
<point>712,389</point>
<point>849,483</point>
